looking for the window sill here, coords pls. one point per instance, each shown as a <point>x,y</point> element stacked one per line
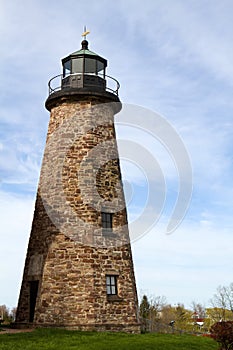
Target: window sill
<point>114,298</point>
<point>108,233</point>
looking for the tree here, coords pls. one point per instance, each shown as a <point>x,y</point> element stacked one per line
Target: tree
<point>217,314</point>
<point>176,318</point>
<point>144,310</point>
<point>150,312</point>
<point>223,300</point>
<point>198,309</point>
<point>222,332</point>
<point>13,313</point>
<point>6,315</point>
<point>156,309</point>
<point>144,307</point>
<point>183,318</point>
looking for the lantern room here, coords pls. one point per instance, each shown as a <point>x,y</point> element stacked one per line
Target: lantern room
<point>83,72</point>
<point>84,69</point>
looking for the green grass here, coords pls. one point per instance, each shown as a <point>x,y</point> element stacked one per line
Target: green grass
<point>53,339</point>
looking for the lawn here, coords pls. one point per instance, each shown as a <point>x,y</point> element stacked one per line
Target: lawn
<point>53,339</point>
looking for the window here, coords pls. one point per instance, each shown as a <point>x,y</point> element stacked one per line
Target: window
<point>90,65</point>
<point>111,285</point>
<point>100,69</point>
<point>66,68</point>
<point>77,65</point>
<point>106,222</point>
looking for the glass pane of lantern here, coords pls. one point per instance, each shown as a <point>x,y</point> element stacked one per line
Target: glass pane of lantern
<point>90,65</point>
<point>67,68</point>
<point>100,67</point>
<point>77,65</point>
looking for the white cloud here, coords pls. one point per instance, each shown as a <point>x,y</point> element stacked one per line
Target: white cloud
<point>204,37</point>
<point>20,159</point>
<point>16,218</point>
<point>188,33</point>
<point>193,259</point>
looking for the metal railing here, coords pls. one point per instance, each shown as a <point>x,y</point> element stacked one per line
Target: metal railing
<point>112,85</point>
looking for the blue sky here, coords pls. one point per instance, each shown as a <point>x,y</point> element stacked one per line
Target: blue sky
<point>172,57</point>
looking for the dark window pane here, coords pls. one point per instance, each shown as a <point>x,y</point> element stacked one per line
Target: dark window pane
<point>90,65</point>
<point>100,67</point>
<point>77,65</point>
<point>106,220</point>
<point>111,285</point>
<point>67,68</point>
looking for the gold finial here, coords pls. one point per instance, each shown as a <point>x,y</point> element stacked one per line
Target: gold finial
<point>85,33</point>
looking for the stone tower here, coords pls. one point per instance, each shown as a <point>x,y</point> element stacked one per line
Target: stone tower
<point>79,271</point>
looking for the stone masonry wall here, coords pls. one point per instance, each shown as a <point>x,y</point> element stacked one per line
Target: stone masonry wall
<point>68,252</point>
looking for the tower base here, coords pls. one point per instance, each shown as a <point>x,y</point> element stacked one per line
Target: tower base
<point>124,328</point>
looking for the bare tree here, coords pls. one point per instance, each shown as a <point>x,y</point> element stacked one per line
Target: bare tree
<point>151,311</point>
<point>13,313</point>
<point>199,309</point>
<point>7,315</point>
<point>4,313</point>
<point>156,307</point>
<point>157,304</point>
<point>223,300</point>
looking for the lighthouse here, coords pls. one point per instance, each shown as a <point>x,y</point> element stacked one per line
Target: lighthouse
<point>79,271</point>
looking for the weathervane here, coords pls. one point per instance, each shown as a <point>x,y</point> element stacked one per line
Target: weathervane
<point>85,33</point>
